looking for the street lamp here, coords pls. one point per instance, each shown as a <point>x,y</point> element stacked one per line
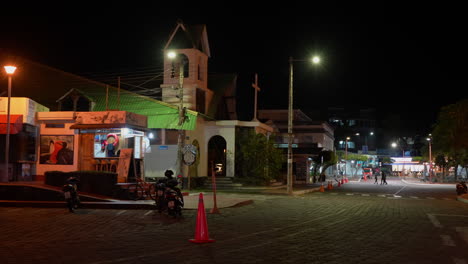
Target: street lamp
<point>315,60</point>
<point>430,157</point>
<point>180,141</point>
<point>10,70</point>
<point>394,145</point>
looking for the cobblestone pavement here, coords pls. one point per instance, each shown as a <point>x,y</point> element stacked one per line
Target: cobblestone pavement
<point>355,223</point>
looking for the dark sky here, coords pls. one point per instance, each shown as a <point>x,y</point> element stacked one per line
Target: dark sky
<point>405,60</point>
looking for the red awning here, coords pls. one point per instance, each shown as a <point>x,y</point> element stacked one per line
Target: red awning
<point>16,124</point>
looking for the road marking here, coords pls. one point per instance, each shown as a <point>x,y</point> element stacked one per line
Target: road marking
<point>120,212</point>
<point>414,197</point>
<point>364,194</point>
<point>447,240</point>
<point>430,198</point>
<point>334,193</point>
<point>434,220</point>
<point>399,191</point>
<point>350,194</point>
<point>381,195</point>
<point>147,213</point>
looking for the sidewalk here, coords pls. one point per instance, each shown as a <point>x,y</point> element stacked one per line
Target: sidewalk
<point>224,198</point>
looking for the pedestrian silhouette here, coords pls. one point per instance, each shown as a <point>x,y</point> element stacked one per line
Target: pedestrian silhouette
<point>383,178</point>
<point>376,178</point>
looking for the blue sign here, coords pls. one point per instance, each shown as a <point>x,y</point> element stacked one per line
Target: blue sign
<point>163,147</point>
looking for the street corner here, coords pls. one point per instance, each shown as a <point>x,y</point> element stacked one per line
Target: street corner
<point>463,198</point>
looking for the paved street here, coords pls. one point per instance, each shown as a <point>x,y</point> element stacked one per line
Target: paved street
<point>355,223</point>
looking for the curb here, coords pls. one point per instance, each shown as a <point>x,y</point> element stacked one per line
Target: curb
<point>99,205</point>
<point>461,199</point>
<point>85,205</point>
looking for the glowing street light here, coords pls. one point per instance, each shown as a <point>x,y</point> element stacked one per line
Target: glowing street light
<point>315,60</point>
<point>10,70</point>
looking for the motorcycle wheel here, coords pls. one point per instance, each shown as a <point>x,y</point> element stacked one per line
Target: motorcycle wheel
<point>70,205</point>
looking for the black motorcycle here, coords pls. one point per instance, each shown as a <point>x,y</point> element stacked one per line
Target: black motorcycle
<point>160,199</point>
<point>169,198</point>
<point>461,188</point>
<point>174,199</point>
<point>70,194</point>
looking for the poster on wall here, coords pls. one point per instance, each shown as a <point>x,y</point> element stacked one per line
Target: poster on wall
<point>107,145</point>
<point>56,150</point>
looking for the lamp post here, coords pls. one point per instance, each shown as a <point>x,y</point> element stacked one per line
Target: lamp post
<point>346,155</point>
<point>430,157</point>
<point>394,145</point>
<point>10,70</point>
<point>180,140</point>
<point>315,60</point>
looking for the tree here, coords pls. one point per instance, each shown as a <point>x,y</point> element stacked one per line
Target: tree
<point>359,162</point>
<point>324,160</point>
<point>450,134</point>
<point>258,160</point>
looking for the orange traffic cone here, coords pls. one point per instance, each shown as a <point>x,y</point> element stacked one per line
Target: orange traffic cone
<point>321,188</point>
<point>201,230</point>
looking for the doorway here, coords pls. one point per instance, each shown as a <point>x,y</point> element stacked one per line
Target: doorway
<point>217,156</point>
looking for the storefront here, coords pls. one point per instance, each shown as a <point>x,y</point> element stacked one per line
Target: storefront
<point>104,141</point>
<point>23,138</point>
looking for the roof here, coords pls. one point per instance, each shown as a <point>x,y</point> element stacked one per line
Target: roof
<point>160,114</point>
<point>195,37</point>
<point>223,103</point>
<point>47,85</point>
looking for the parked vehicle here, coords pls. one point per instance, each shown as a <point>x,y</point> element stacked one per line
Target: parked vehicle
<point>366,173</point>
<point>168,197</point>
<point>175,200</point>
<point>160,200</point>
<point>461,188</point>
<point>70,194</point>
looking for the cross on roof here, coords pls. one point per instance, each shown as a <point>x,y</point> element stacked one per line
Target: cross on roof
<point>257,88</point>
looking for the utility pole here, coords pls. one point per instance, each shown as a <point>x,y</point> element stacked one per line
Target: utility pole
<point>290,124</point>
<point>181,139</point>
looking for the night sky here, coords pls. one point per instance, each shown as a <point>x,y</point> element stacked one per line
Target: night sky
<point>402,60</point>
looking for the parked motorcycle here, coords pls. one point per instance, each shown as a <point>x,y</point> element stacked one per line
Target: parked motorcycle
<point>70,194</point>
<point>174,198</point>
<point>461,188</point>
<point>160,199</point>
<point>168,197</point>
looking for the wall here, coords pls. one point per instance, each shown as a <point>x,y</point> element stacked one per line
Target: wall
<point>22,106</point>
<point>161,158</point>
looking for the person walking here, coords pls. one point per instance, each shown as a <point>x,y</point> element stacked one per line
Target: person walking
<point>383,179</point>
<point>376,178</point>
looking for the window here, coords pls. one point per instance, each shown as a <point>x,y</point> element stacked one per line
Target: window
<point>176,64</point>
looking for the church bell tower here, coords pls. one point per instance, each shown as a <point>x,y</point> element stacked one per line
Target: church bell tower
<point>190,46</point>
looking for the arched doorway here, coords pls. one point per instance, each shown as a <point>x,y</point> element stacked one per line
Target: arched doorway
<point>217,156</point>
